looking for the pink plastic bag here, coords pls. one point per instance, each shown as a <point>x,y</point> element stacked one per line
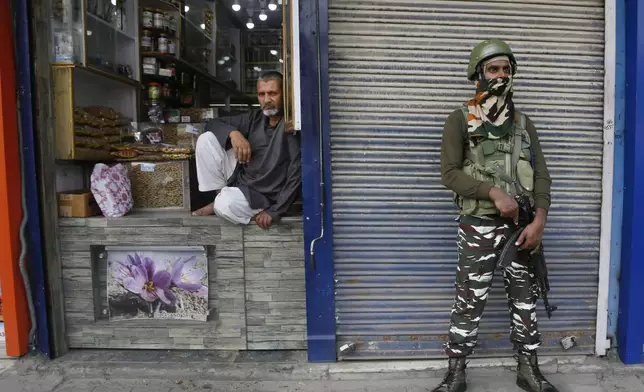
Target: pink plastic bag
<point>112,189</point>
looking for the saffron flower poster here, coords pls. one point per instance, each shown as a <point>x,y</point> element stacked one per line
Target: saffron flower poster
<point>157,284</point>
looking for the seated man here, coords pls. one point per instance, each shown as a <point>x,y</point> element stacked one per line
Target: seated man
<point>250,162</point>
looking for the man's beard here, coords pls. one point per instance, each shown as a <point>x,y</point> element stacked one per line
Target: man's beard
<point>270,112</point>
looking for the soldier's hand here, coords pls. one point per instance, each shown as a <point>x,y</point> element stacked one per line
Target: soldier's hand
<point>531,236</point>
<point>507,206</point>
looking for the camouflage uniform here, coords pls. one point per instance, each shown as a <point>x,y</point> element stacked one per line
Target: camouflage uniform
<point>488,143</point>
<point>479,243</point>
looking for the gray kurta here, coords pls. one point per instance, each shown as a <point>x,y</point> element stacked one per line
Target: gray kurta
<point>272,178</point>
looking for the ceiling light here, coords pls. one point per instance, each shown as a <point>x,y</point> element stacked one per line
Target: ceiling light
<point>221,62</point>
<point>226,58</point>
<point>258,69</point>
<point>236,6</point>
<point>263,16</point>
<point>203,26</point>
<point>281,61</point>
<point>186,8</point>
<point>250,24</point>
<point>272,6</point>
<point>114,2</point>
<point>274,52</point>
<point>89,32</point>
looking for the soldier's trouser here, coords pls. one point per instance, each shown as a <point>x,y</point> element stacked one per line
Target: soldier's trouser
<point>479,244</point>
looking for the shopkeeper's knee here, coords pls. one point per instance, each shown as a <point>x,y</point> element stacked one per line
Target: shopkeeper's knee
<point>205,142</point>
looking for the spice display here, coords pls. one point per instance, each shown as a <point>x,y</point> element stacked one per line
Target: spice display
<point>159,185</point>
<point>148,17</point>
<point>146,42</point>
<point>98,128</point>
<point>154,91</point>
<point>159,18</point>
<point>163,44</point>
<point>182,135</point>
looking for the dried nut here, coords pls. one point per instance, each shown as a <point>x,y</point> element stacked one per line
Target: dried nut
<point>160,188</point>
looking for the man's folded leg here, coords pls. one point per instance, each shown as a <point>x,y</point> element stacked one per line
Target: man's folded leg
<point>214,167</point>
<point>231,204</point>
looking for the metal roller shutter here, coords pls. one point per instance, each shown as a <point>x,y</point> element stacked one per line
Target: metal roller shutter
<point>397,69</point>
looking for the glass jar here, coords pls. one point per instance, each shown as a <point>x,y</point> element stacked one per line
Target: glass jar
<point>154,91</point>
<point>146,42</point>
<point>172,24</point>
<point>148,18</point>
<point>163,44</point>
<point>166,21</point>
<point>172,47</point>
<point>159,19</point>
<point>165,92</point>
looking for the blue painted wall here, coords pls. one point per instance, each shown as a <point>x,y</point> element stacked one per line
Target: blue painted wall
<point>618,173</point>
<point>630,327</point>
<point>320,301</point>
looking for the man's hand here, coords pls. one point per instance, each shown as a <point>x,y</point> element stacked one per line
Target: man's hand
<point>263,220</point>
<point>508,207</point>
<point>531,236</point>
<point>240,146</point>
<point>289,127</point>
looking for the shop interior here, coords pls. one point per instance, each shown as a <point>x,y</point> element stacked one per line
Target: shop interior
<point>135,81</point>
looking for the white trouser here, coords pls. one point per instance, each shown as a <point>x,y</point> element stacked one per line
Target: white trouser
<point>214,167</point>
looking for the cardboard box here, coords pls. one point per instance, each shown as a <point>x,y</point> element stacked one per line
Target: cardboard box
<point>77,204</point>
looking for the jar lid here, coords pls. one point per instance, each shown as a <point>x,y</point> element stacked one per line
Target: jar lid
<point>154,84</point>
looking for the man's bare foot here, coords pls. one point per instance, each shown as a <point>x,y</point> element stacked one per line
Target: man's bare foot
<point>204,211</point>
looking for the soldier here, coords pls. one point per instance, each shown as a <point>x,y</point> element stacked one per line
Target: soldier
<point>489,153</point>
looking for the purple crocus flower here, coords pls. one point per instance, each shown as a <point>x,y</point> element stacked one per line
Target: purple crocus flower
<point>185,276</point>
<point>149,283</point>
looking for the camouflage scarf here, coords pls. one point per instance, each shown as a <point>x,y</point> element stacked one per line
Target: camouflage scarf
<point>491,112</point>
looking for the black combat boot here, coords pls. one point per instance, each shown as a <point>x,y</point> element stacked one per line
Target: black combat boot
<point>454,380</point>
<point>529,377</point>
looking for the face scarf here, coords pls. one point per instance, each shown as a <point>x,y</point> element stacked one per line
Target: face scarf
<point>491,112</point>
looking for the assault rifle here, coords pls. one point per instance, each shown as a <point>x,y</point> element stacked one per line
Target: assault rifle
<point>510,252</point>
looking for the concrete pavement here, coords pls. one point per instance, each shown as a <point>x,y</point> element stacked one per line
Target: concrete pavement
<point>285,371</point>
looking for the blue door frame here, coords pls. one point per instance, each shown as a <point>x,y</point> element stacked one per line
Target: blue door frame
<point>316,180</point>
<point>630,325</point>
<point>34,259</point>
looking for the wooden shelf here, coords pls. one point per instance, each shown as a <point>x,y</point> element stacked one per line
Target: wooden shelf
<point>109,75</point>
<point>199,71</point>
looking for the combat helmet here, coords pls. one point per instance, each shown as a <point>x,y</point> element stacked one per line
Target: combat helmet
<point>488,49</point>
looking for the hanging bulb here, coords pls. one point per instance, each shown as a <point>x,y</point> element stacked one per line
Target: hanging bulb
<point>236,6</point>
<point>263,16</point>
<point>114,2</point>
<point>250,24</point>
<point>186,8</point>
<point>274,52</point>
<point>272,6</point>
<point>203,26</point>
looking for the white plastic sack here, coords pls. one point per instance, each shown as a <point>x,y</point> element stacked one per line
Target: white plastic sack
<point>112,189</point>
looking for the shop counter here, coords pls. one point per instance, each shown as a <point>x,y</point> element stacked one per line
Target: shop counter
<point>255,283</point>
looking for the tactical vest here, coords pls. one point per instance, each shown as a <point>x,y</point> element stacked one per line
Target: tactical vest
<point>505,162</point>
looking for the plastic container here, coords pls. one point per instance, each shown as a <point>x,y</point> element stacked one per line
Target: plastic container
<point>154,91</point>
<point>148,18</point>
<point>159,19</point>
<point>146,42</point>
<point>163,44</point>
